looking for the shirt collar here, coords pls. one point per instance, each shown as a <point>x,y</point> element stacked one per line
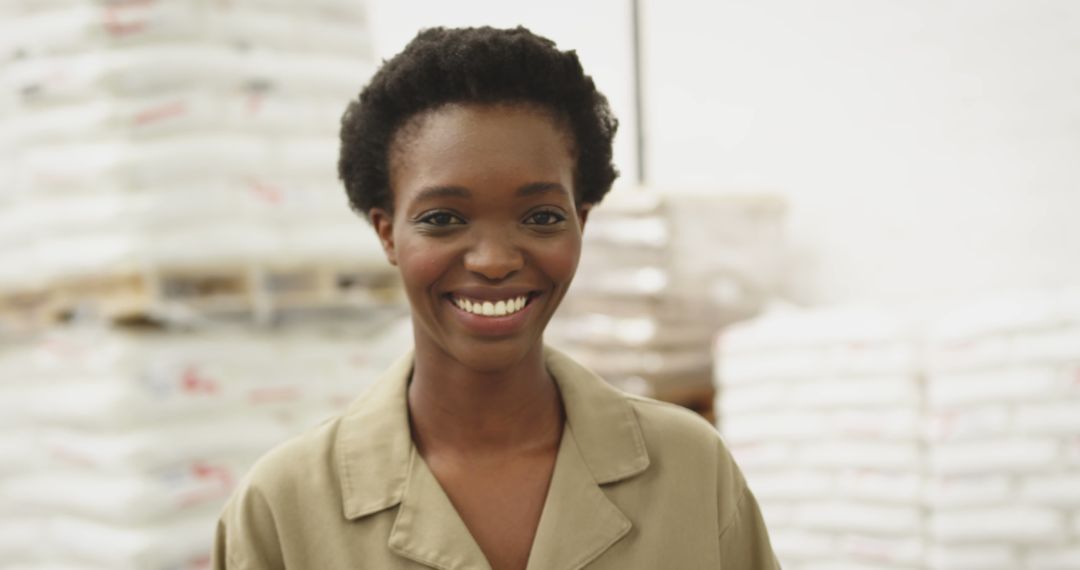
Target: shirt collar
<point>374,445</point>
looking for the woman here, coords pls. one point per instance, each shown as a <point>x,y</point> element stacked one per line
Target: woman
<point>476,154</point>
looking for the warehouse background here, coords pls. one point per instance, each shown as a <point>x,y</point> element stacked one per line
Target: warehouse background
<point>853,247</point>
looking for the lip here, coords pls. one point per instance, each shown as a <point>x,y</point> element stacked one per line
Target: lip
<point>493,294</point>
<point>493,326</point>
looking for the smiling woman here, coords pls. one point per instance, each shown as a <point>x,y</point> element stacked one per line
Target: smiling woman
<point>476,154</point>
<point>483,215</point>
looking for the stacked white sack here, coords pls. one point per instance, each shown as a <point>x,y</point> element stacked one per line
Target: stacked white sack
<point>821,410</point>
<point>166,132</point>
<point>120,447</point>
<point>153,140</point>
<point>1004,435</point>
<point>659,275</point>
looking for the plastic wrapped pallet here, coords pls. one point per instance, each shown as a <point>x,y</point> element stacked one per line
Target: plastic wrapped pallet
<point>149,136</point>
<point>166,180</point>
<point>659,275</point>
<point>131,441</point>
<point>967,461</point>
<point>1003,389</point>
<point>822,411</point>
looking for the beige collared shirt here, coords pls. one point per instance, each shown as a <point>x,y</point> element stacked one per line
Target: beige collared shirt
<point>637,484</point>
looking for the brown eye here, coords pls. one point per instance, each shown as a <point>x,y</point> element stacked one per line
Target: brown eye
<point>546,218</point>
<point>440,219</point>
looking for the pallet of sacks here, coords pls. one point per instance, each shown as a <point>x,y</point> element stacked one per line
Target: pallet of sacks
<point>941,436</point>
<point>161,155</point>
<point>659,275</point>
<point>1003,434</point>
<point>821,411</point>
<point>120,446</point>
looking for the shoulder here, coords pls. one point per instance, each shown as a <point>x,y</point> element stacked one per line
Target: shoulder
<point>670,415</point>
<point>296,460</point>
<point>676,436</point>
<point>279,490</point>
<point>666,425</point>
<point>680,440</point>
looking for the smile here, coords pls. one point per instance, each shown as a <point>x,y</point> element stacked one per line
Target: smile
<point>489,308</point>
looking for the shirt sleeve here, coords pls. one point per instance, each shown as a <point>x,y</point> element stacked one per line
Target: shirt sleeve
<point>744,540</point>
<point>247,537</point>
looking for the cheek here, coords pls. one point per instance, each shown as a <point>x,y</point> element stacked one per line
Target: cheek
<point>559,258</point>
<point>422,265</point>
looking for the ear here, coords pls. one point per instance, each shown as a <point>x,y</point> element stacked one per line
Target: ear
<point>383,222</point>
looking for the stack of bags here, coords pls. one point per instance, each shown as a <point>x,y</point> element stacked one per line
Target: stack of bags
<point>821,411</point>
<point>182,283</point>
<point>658,276</point>
<point>149,138</point>
<point>129,442</point>
<point>944,439</point>
<point>1003,396</point>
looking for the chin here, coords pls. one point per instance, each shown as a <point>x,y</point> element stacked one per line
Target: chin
<point>492,355</point>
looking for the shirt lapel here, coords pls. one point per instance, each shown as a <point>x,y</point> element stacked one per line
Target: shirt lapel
<point>604,423</point>
<point>579,522</point>
<point>602,444</point>
<point>428,529</point>
<point>374,444</point>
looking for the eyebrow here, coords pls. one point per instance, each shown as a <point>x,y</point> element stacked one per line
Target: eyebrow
<point>432,192</point>
<point>531,189</point>
<point>535,188</point>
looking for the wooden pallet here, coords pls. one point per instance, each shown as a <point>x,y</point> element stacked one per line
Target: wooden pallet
<point>25,310</point>
<point>173,292</point>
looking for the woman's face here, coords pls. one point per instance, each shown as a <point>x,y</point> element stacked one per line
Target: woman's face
<point>485,229</point>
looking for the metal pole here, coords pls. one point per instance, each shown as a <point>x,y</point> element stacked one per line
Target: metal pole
<point>639,106</point>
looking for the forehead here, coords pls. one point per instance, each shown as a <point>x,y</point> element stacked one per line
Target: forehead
<point>487,149</point>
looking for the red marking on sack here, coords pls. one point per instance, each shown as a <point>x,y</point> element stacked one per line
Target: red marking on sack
<point>263,395</point>
<point>119,29</point>
<point>875,552</point>
<point>946,425</point>
<point>254,103</point>
<point>959,345</point>
<point>201,562</point>
<point>214,472</point>
<point>194,383</point>
<point>67,456</point>
<point>161,112</point>
<point>63,348</point>
<point>115,22</point>
<point>266,192</point>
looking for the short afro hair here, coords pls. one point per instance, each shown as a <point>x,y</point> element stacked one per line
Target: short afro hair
<point>482,65</point>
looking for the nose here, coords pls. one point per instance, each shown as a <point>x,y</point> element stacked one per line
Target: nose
<point>495,256</point>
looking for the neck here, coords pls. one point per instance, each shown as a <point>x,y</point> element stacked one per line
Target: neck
<point>468,412</point>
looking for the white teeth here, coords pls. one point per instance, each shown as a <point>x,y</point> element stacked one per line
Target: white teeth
<point>489,309</point>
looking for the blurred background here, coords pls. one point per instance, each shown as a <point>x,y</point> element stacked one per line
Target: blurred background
<point>846,232</point>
